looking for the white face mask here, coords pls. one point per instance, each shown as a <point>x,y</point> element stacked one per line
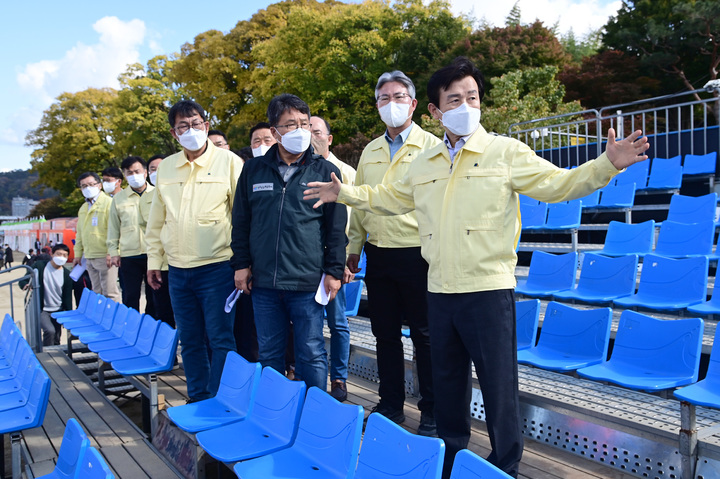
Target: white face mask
<point>193,139</point>
<point>90,192</point>
<point>394,114</point>
<point>260,150</point>
<point>109,186</point>
<point>153,178</point>
<point>59,260</point>
<point>136,181</point>
<point>296,141</point>
<point>461,121</point>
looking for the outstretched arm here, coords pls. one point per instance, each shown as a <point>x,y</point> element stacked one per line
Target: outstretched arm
<point>627,151</point>
<point>324,192</point>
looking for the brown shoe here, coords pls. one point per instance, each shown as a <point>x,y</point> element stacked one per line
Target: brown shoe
<point>338,390</point>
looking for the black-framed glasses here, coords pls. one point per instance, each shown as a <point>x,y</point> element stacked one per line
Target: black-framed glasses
<point>397,97</point>
<point>294,126</point>
<point>183,127</point>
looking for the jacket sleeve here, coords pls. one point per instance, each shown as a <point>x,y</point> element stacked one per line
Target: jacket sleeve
<point>113,232</point>
<point>384,200</point>
<point>356,233</point>
<point>335,218</point>
<point>156,220</point>
<point>78,249</point>
<point>241,219</point>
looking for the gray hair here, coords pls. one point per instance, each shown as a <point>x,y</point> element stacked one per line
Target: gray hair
<point>396,76</point>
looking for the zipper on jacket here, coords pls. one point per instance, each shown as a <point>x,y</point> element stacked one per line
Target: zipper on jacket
<point>277,240</point>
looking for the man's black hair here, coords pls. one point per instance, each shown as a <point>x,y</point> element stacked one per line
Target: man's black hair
<point>185,109</point>
<point>245,153</point>
<point>263,125</point>
<point>131,160</point>
<point>62,247</point>
<point>282,103</point>
<point>113,172</point>
<point>155,157</point>
<point>88,174</point>
<point>219,133</point>
<point>460,68</point>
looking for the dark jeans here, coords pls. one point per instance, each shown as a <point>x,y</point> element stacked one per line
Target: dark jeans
<point>478,327</point>
<point>133,273</point>
<point>161,301</point>
<point>198,298</point>
<point>397,290</point>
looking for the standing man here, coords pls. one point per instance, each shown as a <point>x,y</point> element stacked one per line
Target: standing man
<point>126,238</point>
<point>335,309</point>
<point>261,139</point>
<point>465,192</point>
<point>91,237</point>
<point>161,296</point>
<point>112,181</point>
<point>283,249</point>
<point>8,256</point>
<point>396,276</point>
<point>190,222</point>
<point>218,139</point>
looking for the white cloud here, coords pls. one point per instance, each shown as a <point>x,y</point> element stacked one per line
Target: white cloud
<point>582,16</point>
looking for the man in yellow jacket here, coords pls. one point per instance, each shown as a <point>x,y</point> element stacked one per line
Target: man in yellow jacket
<point>190,221</point>
<point>91,237</point>
<point>465,194</point>
<point>126,237</point>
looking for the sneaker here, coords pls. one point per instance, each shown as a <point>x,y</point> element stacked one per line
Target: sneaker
<point>427,425</point>
<point>395,415</point>
<point>338,390</point>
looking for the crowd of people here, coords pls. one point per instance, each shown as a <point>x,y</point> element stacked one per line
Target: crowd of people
<point>437,219</point>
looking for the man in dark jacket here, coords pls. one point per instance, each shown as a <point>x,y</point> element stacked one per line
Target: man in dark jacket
<point>283,250</point>
<point>8,256</point>
<point>55,290</point>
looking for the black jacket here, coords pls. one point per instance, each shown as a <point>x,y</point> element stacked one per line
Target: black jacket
<point>67,287</point>
<point>286,242</point>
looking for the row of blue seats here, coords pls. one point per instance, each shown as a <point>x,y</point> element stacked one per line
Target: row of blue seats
<point>666,284</point>
<point>667,173</point>
<point>77,458</point>
<point>132,343</point>
<point>649,354</point>
<point>271,428</point>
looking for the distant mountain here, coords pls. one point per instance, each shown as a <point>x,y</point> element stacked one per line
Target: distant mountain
<point>20,183</point>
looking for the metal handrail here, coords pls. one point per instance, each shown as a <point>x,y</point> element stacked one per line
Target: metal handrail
<point>32,304</point>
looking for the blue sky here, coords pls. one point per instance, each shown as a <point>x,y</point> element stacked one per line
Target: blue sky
<point>51,47</point>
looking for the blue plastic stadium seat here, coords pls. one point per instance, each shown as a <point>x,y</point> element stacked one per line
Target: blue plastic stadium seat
<point>32,413</point>
<point>526,200</point>
<point>684,240</point>
<point>712,306</point>
<point>327,443</point>
<point>692,209</point>
<point>129,335</point>
<point>105,324</point>
<point>389,452</point>
<point>160,359</point>
<point>353,294</point>
<point>707,391</point>
<point>564,215</point>
<point>603,279</point>
<point>85,300</point>
<point>591,200</point>
<point>636,173</point>
<point>651,354</point>
<point>98,320</point>
<point>617,196</point>
<point>700,164</point>
<point>570,338</point>
<point>528,316</point>
<point>5,331</point>
<point>94,466</point>
<point>10,346</point>
<point>665,174</point>
<point>23,386</point>
<point>272,426</point>
<point>141,348</point>
<point>10,378</point>
<point>533,216</point>
<point>668,284</point>
<point>72,450</point>
<point>469,465</point>
<point>362,264</point>
<point>115,331</point>
<point>93,312</point>
<point>548,273</point>
<point>626,238</point>
<point>233,402</point>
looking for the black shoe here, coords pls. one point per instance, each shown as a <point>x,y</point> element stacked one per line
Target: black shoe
<point>427,425</point>
<point>395,415</point>
<point>338,390</point>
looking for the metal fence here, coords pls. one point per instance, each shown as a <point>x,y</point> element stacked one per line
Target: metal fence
<point>678,124</point>
<point>31,302</point>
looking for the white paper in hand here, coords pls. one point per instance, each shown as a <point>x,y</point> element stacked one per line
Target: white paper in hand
<point>321,295</point>
<point>230,301</point>
<point>78,270</point>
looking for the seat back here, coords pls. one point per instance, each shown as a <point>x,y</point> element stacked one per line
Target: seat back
<point>94,466</point>
<point>682,280</point>
<point>239,383</point>
<point>469,465</point>
<point>564,215</point>
<point>108,314</point>
<point>669,347</point>
<point>329,432</point>
<point>665,173</point>
<point>592,199</point>
<point>552,272</point>
<point>164,348</point>
<point>132,326</point>
<point>147,334</point>
<point>38,398</point>
<point>617,196</point>
<point>682,239</point>
<point>7,325</point>
<point>362,265</point>
<point>700,164</point>
<point>24,357</point>
<point>533,216</point>
<point>626,238</point>
<point>85,298</point>
<point>576,332</point>
<point>72,449</point>
<point>278,404</point>
<point>636,173</point>
<point>26,377</point>
<point>120,320</point>
<point>608,276</point>
<point>95,312</point>
<point>527,315</point>
<point>389,451</point>
<point>353,295</point>
<point>692,209</point>
<point>11,345</point>
<point>713,370</point>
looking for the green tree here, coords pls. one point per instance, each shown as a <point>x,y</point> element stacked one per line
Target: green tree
<point>513,19</point>
<point>74,136</point>
<point>49,208</point>
<point>580,49</point>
